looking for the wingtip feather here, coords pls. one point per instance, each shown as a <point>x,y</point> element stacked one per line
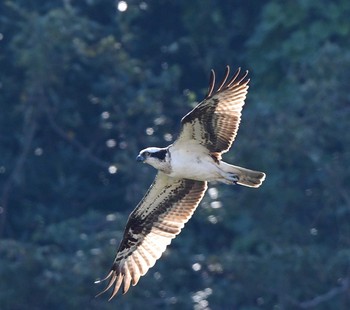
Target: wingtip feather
<point>110,283</point>
<point>211,83</point>
<point>116,287</point>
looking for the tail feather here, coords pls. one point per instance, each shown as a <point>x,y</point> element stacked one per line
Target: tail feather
<point>245,176</point>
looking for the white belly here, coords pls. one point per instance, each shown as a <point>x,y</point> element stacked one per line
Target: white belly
<point>193,162</point>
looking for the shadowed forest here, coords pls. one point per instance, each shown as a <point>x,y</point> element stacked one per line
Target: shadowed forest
<point>85,85</point>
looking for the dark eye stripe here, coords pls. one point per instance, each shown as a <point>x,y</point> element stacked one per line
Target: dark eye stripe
<point>160,154</point>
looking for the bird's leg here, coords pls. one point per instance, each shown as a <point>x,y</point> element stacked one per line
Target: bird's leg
<point>229,178</point>
<point>232,177</point>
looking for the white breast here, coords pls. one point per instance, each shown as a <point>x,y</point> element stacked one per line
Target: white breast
<point>192,161</point>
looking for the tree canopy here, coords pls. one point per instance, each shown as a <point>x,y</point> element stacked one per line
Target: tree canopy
<point>84,85</point>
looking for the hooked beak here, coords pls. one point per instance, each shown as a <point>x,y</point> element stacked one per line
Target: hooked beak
<point>140,158</point>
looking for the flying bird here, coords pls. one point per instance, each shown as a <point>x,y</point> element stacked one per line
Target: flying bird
<point>184,168</point>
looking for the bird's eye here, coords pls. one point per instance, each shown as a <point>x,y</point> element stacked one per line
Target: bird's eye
<point>146,153</point>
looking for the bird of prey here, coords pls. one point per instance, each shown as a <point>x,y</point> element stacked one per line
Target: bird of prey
<point>184,168</point>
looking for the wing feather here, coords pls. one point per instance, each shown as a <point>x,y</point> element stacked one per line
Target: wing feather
<point>158,218</point>
<point>118,282</point>
<point>142,260</point>
<point>215,121</point>
<point>211,83</point>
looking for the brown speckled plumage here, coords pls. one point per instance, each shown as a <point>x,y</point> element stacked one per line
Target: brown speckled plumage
<point>151,226</point>
<point>215,121</point>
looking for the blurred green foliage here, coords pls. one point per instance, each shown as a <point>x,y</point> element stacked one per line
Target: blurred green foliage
<point>84,87</point>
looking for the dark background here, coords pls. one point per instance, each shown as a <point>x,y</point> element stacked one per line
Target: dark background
<point>85,86</point>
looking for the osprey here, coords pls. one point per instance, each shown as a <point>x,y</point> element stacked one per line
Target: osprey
<point>184,168</point>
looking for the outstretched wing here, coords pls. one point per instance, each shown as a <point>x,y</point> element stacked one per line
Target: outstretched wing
<point>158,218</point>
<point>214,122</point>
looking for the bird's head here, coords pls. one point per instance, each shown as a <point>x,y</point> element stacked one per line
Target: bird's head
<point>154,156</point>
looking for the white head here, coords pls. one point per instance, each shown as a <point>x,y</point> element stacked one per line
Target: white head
<point>157,157</point>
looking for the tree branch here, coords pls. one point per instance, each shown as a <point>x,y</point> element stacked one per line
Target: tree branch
<point>29,129</point>
<point>84,150</point>
<point>307,304</point>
